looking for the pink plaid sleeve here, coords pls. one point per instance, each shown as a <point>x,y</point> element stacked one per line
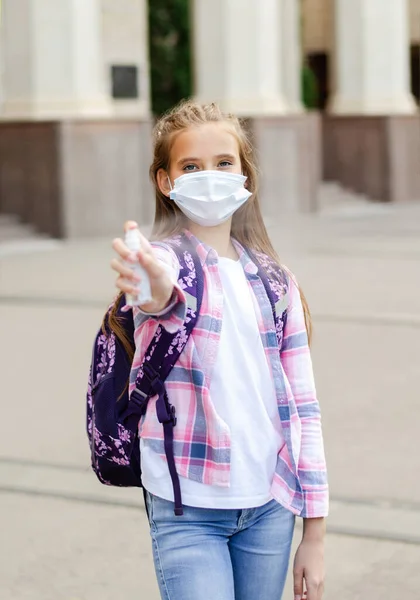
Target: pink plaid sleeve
<point>297,364</point>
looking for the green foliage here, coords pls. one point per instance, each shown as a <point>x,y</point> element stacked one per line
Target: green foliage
<point>310,92</point>
<point>170,53</point>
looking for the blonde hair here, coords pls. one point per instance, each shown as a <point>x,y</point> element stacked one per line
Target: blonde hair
<point>247,223</point>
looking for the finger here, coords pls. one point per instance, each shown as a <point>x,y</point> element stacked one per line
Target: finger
<point>320,591</point>
<point>126,287</point>
<point>130,225</point>
<point>123,270</point>
<point>153,267</point>
<point>312,592</point>
<point>121,249</point>
<point>298,584</point>
<point>145,245</point>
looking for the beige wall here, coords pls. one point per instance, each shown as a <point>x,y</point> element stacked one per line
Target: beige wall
<point>318,26</point>
<point>415,21</point>
<point>125,42</point>
<point>318,29</point>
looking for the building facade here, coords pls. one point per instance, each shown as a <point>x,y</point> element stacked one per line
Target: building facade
<point>319,44</point>
<point>366,56</point>
<point>75,115</point>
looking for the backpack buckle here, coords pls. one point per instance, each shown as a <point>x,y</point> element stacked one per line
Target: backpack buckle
<point>173,416</point>
<point>166,413</point>
<point>139,399</point>
<point>153,379</point>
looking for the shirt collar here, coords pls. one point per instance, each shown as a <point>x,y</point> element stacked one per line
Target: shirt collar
<point>201,248</point>
<point>205,252</point>
<point>247,263</point>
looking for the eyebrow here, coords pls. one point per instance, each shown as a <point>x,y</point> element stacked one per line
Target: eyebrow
<point>195,159</point>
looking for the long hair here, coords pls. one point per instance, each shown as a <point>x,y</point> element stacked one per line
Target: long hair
<point>247,223</point>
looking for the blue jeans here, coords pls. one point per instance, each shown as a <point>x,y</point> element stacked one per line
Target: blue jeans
<point>220,554</point>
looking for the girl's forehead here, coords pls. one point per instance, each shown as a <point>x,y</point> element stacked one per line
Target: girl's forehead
<point>210,138</point>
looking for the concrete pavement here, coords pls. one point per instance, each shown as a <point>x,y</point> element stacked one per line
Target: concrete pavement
<point>67,537</point>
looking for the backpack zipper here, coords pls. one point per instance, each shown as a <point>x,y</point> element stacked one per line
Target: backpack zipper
<point>93,457</point>
<point>93,408</point>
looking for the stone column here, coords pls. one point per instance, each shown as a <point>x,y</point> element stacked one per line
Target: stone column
<point>52,60</point>
<point>371,141</point>
<point>291,38</point>
<point>74,149</point>
<point>247,58</point>
<point>372,58</point>
<point>238,55</point>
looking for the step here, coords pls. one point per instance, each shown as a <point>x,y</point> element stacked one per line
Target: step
<point>15,231</point>
<point>20,238</point>
<point>6,219</point>
<point>28,246</point>
<point>336,201</point>
<point>332,195</point>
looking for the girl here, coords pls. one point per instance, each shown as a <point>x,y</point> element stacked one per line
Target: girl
<point>248,464</point>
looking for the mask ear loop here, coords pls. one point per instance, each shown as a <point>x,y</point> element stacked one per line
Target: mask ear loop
<point>170,184</point>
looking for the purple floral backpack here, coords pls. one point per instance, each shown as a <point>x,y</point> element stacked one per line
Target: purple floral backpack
<point>112,415</point>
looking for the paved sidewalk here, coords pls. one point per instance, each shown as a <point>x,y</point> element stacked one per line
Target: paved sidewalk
<point>69,538</point>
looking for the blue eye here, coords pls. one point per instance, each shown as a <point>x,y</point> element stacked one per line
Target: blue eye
<point>190,168</point>
<point>225,164</point>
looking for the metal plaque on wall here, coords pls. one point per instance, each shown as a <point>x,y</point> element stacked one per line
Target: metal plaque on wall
<point>124,82</point>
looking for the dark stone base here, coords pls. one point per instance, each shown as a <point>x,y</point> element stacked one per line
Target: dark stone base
<point>375,156</point>
<point>76,179</point>
<point>289,155</point>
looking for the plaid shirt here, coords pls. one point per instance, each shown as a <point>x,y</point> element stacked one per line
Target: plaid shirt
<point>201,439</point>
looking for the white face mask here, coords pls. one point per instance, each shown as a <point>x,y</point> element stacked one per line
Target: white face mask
<point>209,198</point>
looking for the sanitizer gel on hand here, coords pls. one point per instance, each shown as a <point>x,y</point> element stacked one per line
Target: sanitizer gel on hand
<point>132,241</point>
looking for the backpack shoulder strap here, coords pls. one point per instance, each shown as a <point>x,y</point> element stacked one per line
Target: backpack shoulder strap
<point>276,282</point>
<point>164,351</point>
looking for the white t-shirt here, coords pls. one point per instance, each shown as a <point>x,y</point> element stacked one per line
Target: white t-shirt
<point>242,391</point>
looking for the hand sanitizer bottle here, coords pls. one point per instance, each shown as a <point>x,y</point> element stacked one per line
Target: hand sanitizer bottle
<point>132,241</point>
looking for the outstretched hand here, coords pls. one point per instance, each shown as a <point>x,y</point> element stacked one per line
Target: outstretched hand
<point>160,282</point>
